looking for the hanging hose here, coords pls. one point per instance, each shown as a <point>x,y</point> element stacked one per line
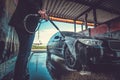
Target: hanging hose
<point>32,23</point>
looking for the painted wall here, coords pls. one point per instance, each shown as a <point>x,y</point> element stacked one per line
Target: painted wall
<point>99,30</point>
<point>104,30</point>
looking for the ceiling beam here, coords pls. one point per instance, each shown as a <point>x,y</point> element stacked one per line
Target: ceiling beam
<point>89,9</point>
<point>68,21</point>
<point>91,6</point>
<point>110,10</point>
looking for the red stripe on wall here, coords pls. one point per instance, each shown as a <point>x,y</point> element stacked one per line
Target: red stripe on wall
<point>115,27</point>
<point>101,29</point>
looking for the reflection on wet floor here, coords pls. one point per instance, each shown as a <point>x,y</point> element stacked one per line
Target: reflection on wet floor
<point>56,67</point>
<point>37,67</point>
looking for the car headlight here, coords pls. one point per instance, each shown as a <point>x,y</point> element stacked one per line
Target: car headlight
<point>91,42</point>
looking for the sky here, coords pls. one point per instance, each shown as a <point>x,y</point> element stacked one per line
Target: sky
<point>46,30</point>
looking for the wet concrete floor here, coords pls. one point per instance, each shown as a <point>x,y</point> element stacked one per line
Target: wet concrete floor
<point>37,67</point>
<point>41,68</point>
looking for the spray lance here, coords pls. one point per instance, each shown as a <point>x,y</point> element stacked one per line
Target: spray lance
<point>56,27</point>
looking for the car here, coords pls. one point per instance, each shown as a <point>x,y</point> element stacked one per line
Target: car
<point>78,50</point>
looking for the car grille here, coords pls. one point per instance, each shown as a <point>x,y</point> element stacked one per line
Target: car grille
<point>114,45</point>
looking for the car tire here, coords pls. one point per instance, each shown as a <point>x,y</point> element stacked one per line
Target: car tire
<point>70,61</point>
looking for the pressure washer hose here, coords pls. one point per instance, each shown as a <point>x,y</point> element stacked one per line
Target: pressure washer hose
<point>39,23</point>
<point>25,22</point>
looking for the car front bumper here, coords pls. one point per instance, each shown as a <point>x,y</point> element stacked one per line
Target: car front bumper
<point>100,55</point>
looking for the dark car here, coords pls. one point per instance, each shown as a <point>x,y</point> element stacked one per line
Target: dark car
<point>78,50</point>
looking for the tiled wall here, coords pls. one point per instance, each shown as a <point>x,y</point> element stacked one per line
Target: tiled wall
<point>8,38</point>
<point>9,43</point>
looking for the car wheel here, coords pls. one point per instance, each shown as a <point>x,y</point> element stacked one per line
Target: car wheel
<point>70,61</point>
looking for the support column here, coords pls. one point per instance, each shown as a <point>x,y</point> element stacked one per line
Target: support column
<point>74,25</point>
<point>86,26</point>
<point>95,17</point>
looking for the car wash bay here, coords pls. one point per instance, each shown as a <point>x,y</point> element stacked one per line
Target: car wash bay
<point>57,69</point>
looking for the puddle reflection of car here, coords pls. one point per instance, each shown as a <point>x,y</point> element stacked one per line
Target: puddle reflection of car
<point>78,50</point>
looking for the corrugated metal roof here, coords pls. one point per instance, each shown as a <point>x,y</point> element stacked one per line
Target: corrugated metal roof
<point>76,9</point>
